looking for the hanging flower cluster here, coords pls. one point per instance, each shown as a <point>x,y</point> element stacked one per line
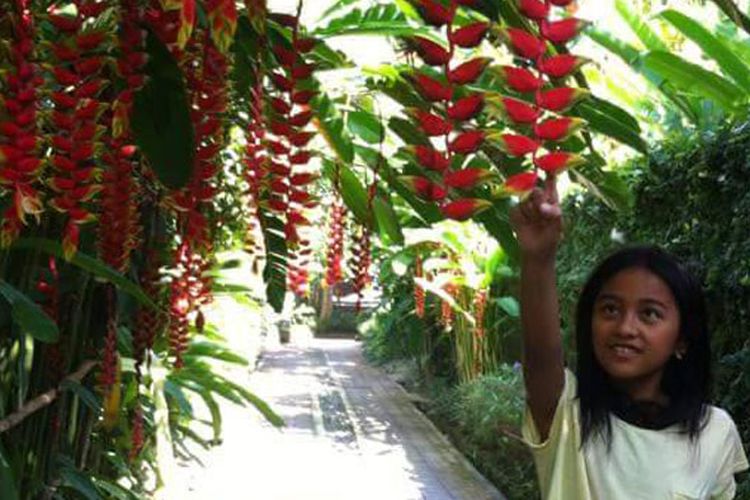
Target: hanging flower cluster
<point>288,179</point>
<point>189,291</point>
<point>446,309</point>
<point>256,168</point>
<point>536,113</point>
<point>19,142</point>
<point>79,56</point>
<point>298,273</point>
<point>360,262</point>
<point>447,120</point>
<point>335,248</point>
<point>419,292</point>
<point>119,229</point>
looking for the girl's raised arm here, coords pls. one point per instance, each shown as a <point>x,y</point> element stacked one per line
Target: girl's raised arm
<point>538,225</point>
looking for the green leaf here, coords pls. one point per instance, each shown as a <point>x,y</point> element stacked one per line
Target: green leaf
<point>84,394</point>
<point>729,63</point>
<point>383,19</point>
<point>176,392</point>
<point>112,490</point>
<point>274,273</point>
<point>607,186</point>
<point>643,31</point>
<point>365,125</point>
<point>215,351</point>
<point>7,478</point>
<point>271,416</point>
<point>29,316</point>
<point>510,306</point>
<point>89,264</point>
<point>694,79</point>
<point>407,131</point>
<point>77,481</point>
<point>331,126</point>
<point>390,229</point>
<point>632,57</point>
<point>161,118</point>
<point>353,192</point>
<point>612,121</point>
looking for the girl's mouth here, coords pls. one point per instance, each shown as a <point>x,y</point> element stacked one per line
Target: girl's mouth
<point>624,351</point>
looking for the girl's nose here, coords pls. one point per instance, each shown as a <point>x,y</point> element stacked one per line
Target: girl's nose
<point>628,325</point>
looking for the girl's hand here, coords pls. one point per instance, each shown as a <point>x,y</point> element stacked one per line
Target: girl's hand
<point>538,221</point>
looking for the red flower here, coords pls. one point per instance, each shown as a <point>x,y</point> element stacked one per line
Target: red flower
<point>561,65</point>
<point>469,71</point>
<point>517,145</point>
<point>431,124</point>
<point>521,183</point>
<point>430,158</point>
<point>560,99</point>
<point>464,208</point>
<point>558,161</point>
<point>467,178</point>
<point>469,36</point>
<point>467,142</point>
<point>423,187</point>
<point>431,89</point>
<point>520,79</point>
<point>466,108</point>
<point>524,43</point>
<point>558,129</point>
<point>534,9</point>
<point>562,31</point>
<point>430,52</point>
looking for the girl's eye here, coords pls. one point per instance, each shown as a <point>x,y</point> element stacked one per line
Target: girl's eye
<point>608,309</point>
<point>651,315</point>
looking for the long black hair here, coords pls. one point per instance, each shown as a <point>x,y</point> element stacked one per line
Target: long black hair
<point>686,381</point>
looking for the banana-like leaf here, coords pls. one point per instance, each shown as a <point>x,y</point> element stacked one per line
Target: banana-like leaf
<point>161,118</point>
<point>366,126</point>
<point>636,22</point>
<point>381,19</point>
<point>612,121</point>
<point>692,78</point>
<point>274,272</point>
<point>353,192</point>
<point>727,60</point>
<point>89,264</point>
<point>632,58</point>
<point>91,400</point>
<point>29,316</point>
<point>7,478</point>
<point>215,351</point>
<point>77,481</point>
<point>390,229</point>
<point>331,126</point>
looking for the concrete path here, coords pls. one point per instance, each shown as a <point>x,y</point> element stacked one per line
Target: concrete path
<point>351,433</point>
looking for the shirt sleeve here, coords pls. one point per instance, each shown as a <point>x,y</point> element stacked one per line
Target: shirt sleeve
<point>735,461</point>
<point>559,462</point>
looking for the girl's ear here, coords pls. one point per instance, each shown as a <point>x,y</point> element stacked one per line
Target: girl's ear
<point>680,350</point>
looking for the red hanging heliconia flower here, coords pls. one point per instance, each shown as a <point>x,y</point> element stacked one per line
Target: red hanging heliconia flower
<point>20,165</point>
<point>523,43</point>
<point>431,53</point>
<point>517,145</point>
<point>561,65</point>
<point>519,79</point>
<point>558,161</point>
<point>464,208</point>
<point>431,89</point>
<point>469,36</point>
<point>521,183</point>
<point>517,111</point>
<point>466,108</point>
<point>467,178</point>
<point>222,18</point>
<point>77,113</point>
<point>534,9</point>
<point>469,71</point>
<point>560,99</point>
<point>436,13</point>
<point>431,124</point>
<point>562,31</point>
<point>467,142</point>
<point>419,293</point>
<point>558,129</point>
<point>423,187</point>
<point>430,158</point>
<point>335,255</point>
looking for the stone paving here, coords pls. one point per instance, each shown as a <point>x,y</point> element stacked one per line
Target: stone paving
<point>351,433</point>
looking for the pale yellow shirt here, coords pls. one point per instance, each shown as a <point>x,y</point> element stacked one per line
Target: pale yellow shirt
<point>643,464</point>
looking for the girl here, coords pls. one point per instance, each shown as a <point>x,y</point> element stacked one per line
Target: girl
<point>634,421</point>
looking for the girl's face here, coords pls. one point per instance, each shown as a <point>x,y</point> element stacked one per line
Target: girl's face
<point>635,327</point>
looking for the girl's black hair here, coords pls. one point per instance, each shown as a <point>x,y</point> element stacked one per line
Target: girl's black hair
<point>686,382</point>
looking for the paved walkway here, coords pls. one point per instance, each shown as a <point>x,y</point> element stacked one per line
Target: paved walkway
<point>351,433</point>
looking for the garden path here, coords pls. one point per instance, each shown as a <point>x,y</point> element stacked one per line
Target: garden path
<point>351,433</point>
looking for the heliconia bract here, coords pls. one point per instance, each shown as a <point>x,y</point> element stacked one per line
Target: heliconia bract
<point>521,183</point>
<point>467,142</point>
<point>560,99</point>
<point>519,79</point>
<point>469,36</point>
<point>562,31</point>
<point>466,178</point>
<point>558,161</point>
<point>469,71</point>
<point>558,129</point>
<point>466,108</point>
<point>517,145</point>
<point>465,208</point>
<point>431,53</point>
<point>423,187</point>
<point>561,65</point>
